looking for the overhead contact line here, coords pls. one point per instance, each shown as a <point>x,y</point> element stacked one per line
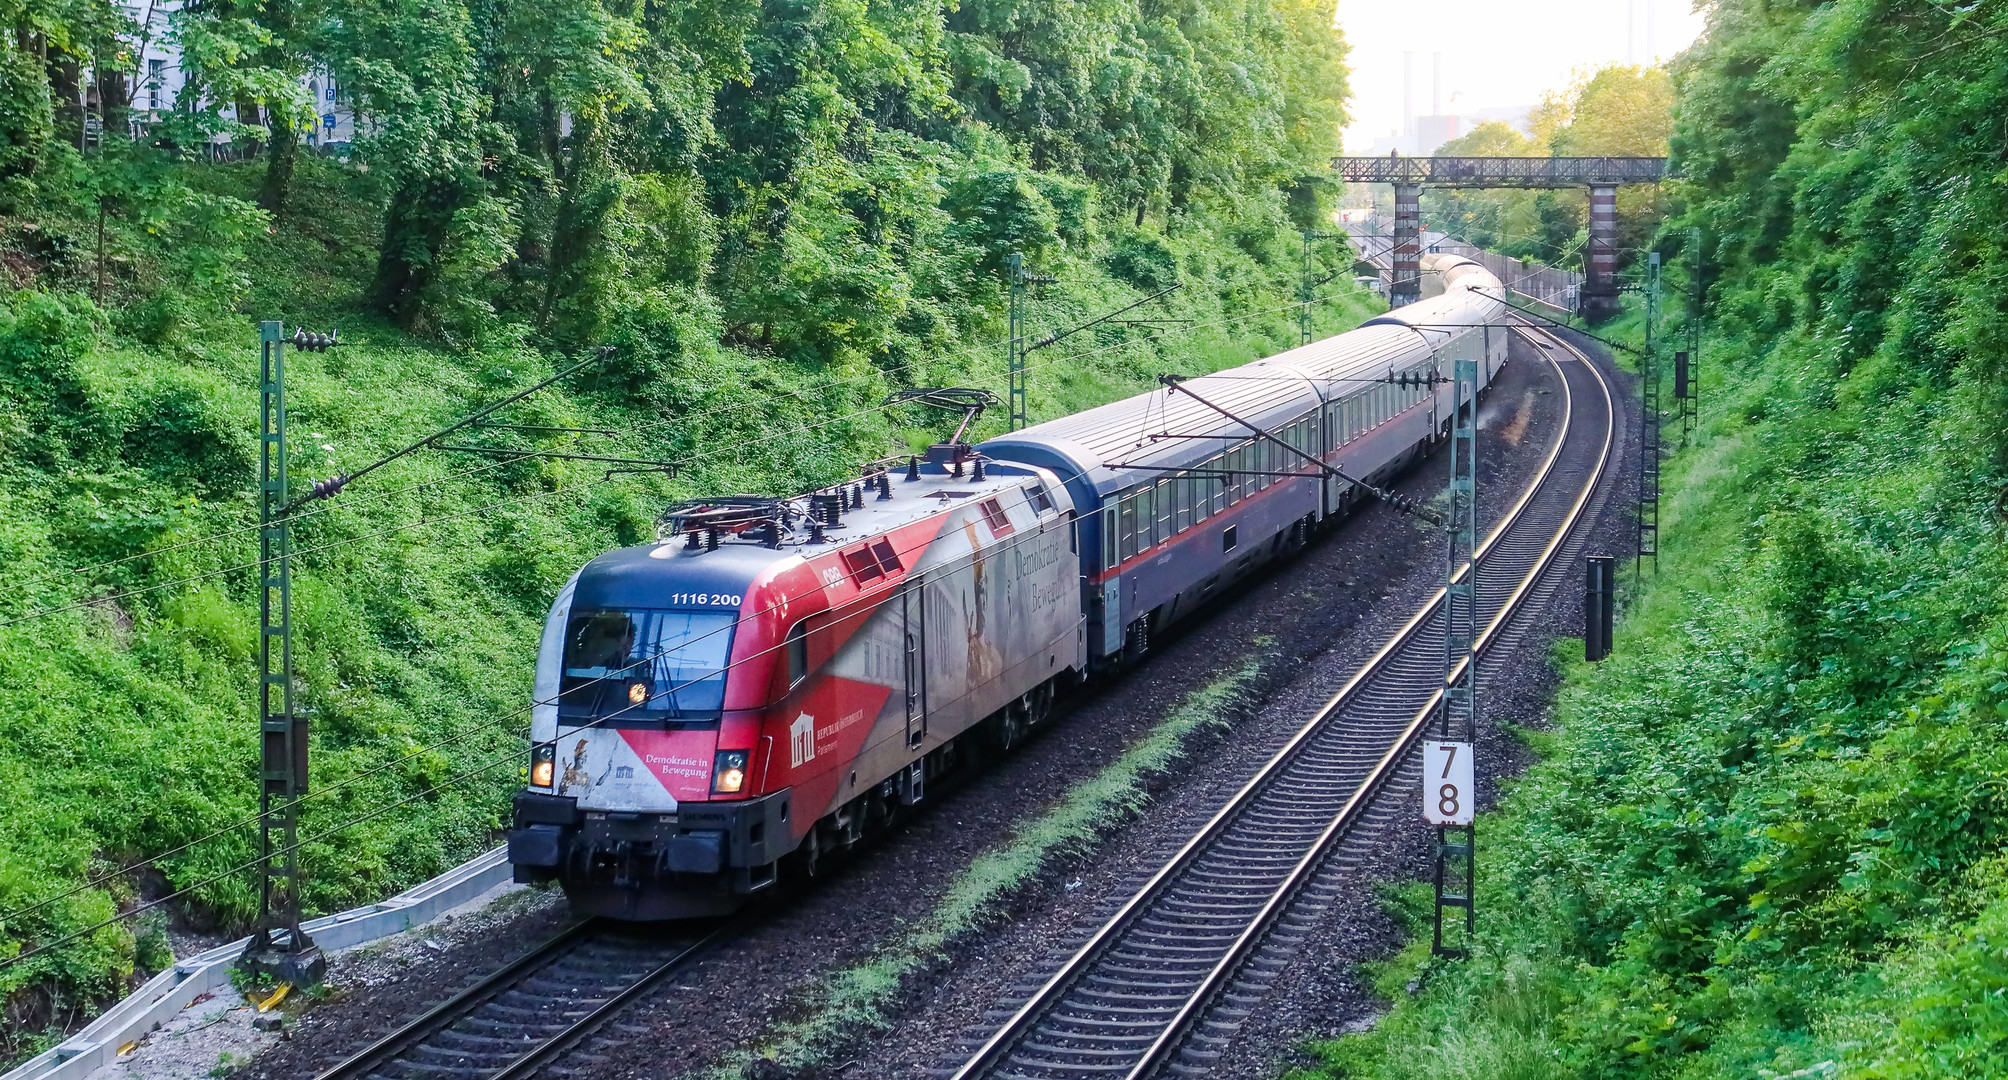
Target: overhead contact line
<point>474,730</point>
<point>684,418</point>
<point>469,732</point>
<point>1138,998</point>
<point>861,611</point>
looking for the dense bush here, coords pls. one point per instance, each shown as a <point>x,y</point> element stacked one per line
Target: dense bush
<point>1767,837</point>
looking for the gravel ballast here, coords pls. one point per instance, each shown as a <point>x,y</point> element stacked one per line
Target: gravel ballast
<point>1310,622</point>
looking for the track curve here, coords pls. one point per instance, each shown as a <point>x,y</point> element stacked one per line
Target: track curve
<point>1146,989</point>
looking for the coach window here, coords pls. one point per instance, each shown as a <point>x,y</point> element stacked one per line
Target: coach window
<point>1181,504</point>
<point>798,653</point>
<point>1128,529</point>
<point>1165,490</point>
<point>1110,545</point>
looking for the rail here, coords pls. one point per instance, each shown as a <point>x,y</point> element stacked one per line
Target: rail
<point>524,1015</point>
<point>1127,1000</point>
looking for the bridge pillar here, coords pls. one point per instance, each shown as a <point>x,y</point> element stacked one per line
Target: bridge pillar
<point>1600,261</point>
<point>1405,284</point>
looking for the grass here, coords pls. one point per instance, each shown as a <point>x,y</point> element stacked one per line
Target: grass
<point>854,1002</point>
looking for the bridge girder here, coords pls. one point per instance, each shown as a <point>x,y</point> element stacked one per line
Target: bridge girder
<point>1602,175</point>
<point>1525,172</point>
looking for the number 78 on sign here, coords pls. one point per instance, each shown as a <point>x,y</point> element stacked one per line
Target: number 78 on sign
<point>1447,791</point>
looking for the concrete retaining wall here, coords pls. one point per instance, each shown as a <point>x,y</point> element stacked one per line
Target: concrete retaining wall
<point>172,990</point>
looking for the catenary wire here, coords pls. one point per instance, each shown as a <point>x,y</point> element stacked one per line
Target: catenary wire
<point>476,729</point>
<point>457,736</point>
<point>859,611</point>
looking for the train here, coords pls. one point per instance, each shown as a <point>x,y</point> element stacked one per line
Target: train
<point>776,679</point>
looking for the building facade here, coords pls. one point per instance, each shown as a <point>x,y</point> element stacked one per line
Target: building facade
<point>158,79</point>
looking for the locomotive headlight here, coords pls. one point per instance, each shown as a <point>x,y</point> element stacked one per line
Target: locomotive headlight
<point>728,772</point>
<point>543,764</point>
<point>638,693</point>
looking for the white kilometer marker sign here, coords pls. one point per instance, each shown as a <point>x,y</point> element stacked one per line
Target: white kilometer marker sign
<point>1447,792</point>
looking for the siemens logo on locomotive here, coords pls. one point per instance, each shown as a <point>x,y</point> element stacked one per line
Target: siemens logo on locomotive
<point>775,679</point>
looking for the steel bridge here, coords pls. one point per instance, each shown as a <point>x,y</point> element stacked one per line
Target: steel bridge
<point>1602,175</point>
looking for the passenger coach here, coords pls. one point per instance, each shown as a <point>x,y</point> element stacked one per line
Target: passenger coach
<point>1177,501</point>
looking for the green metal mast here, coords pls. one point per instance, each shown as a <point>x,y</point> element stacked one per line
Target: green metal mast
<point>280,948</point>
<point>1304,296</point>
<point>1457,718</point>
<point>1016,278</point>
<point>1650,449</point>
<point>1014,275</point>
<point>1690,400</point>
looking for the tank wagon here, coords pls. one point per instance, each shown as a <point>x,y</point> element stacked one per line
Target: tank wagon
<point>777,678</point>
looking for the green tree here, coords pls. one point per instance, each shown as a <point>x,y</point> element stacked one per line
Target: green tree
<point>1503,220</point>
<point>410,68</point>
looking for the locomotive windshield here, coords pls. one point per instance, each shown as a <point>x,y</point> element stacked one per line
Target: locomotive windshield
<point>645,666</point>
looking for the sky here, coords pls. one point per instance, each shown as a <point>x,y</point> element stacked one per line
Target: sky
<point>1496,53</point>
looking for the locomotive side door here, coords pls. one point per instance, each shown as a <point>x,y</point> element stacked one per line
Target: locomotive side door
<point>913,625</point>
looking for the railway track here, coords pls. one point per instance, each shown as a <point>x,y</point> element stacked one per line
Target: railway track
<point>1163,984</point>
<point>517,1020</point>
